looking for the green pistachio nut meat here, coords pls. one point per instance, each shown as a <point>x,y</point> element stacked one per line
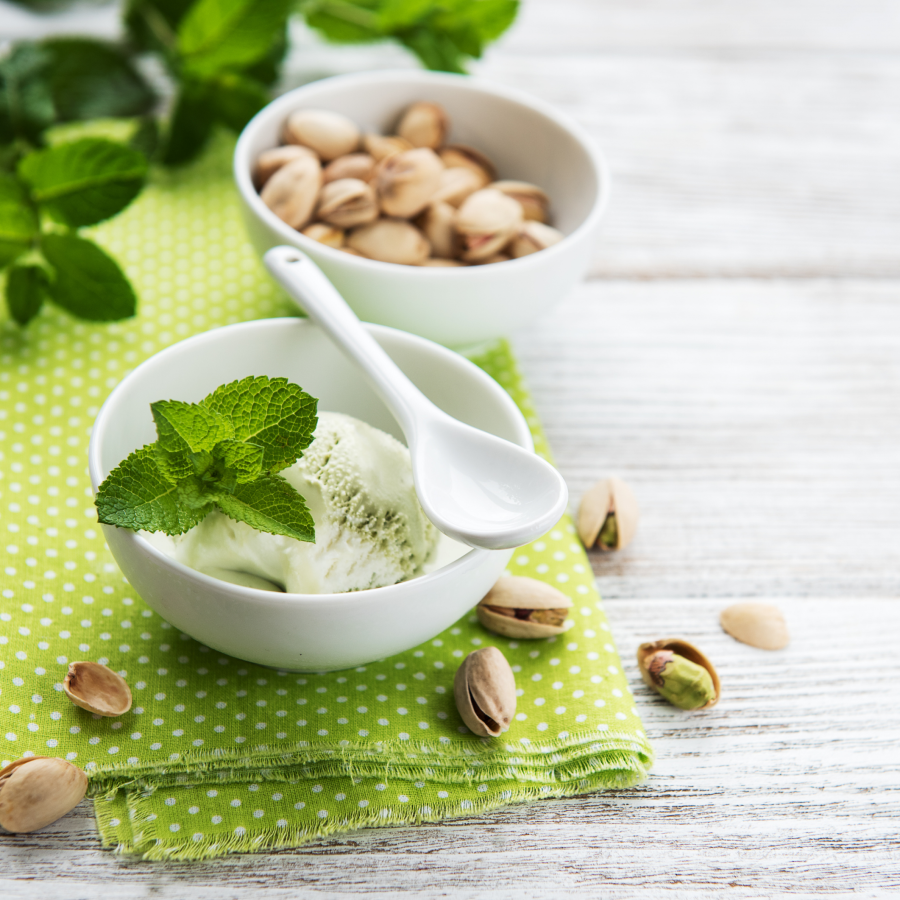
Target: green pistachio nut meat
<point>680,673</point>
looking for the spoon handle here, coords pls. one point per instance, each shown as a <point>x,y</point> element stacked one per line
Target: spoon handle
<point>308,286</point>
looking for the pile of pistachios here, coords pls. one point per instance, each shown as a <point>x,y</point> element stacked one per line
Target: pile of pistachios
<point>408,198</point>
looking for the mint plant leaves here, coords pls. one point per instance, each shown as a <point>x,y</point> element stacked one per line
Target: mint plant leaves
<point>222,453</point>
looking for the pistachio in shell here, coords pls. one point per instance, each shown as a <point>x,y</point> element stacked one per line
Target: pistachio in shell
<point>485,692</point>
<point>424,124</point>
<point>437,262</point>
<point>38,790</point>
<point>347,202</point>
<point>757,624</point>
<point>270,161</point>
<point>487,222</point>
<point>456,184</point>
<point>520,607</point>
<point>407,181</point>
<point>325,234</point>
<point>437,224</point>
<point>352,165</point>
<point>497,257</point>
<point>534,236</point>
<point>97,689</point>
<point>460,156</point>
<point>291,193</point>
<point>680,673</point>
<point>535,203</point>
<point>329,133</point>
<point>608,515</point>
<point>381,146</point>
<point>390,240</point>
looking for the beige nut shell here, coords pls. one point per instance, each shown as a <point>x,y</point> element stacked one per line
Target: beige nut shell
<point>38,790</point>
<point>97,689</point>
<point>485,681</point>
<point>757,624</point>
<point>520,592</point>
<point>682,648</point>
<point>611,495</point>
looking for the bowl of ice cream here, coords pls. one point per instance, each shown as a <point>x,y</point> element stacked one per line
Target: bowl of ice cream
<point>526,139</point>
<point>312,607</point>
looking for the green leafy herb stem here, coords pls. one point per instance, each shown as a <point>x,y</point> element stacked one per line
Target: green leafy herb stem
<point>222,453</point>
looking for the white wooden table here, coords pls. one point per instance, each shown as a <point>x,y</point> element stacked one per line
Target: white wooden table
<point>736,357</point>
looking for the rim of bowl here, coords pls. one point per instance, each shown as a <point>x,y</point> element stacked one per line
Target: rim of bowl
<point>280,106</point>
<point>468,561</point>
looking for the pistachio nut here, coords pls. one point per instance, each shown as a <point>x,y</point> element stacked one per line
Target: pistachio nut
<point>292,191</point>
<point>680,673</point>
<point>459,155</point>
<point>497,257</point>
<point>380,146</point>
<point>519,607</point>
<point>329,133</point>
<point>352,165</point>
<point>347,202</point>
<point>535,203</point>
<point>608,515</point>
<point>97,689</point>
<point>437,225</point>
<point>38,790</point>
<point>270,161</point>
<point>437,262</point>
<point>390,240</point>
<point>485,692</point>
<point>456,184</point>
<point>534,236</point>
<point>406,182</point>
<point>424,125</point>
<point>325,234</point>
<point>757,624</point>
<point>487,221</point>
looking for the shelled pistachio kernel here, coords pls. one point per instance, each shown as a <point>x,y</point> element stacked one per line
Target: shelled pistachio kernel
<point>97,689</point>
<point>520,607</point>
<point>37,790</point>
<point>679,673</point>
<point>484,689</point>
<point>608,515</point>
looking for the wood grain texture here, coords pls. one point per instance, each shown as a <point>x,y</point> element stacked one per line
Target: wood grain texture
<point>737,359</point>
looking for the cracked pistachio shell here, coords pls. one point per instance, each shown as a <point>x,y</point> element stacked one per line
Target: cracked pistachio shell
<point>329,133</point>
<point>270,161</point>
<point>437,223</point>
<point>390,240</point>
<point>407,181</point>
<point>424,124</point>
<point>456,185</point>
<point>352,165</point>
<point>325,234</point>
<point>460,156</point>
<point>381,147</point>
<point>291,193</point>
<point>487,221</point>
<point>485,692</point>
<point>97,689</point>
<point>38,790</point>
<point>685,684</point>
<point>608,515</point>
<point>519,607</point>
<point>757,624</point>
<point>535,203</point>
<point>532,237</point>
<point>347,202</point>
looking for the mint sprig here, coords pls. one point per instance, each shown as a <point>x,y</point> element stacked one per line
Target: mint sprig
<point>221,453</point>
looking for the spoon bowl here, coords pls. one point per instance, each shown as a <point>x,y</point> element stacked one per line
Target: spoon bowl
<point>476,488</point>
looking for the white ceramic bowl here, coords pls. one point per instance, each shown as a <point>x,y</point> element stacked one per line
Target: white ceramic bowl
<point>304,632</point>
<point>526,139</point>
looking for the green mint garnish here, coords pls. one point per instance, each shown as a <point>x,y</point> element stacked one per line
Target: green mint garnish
<point>221,453</point>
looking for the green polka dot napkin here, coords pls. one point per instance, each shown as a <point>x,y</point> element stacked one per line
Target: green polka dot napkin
<point>218,755</point>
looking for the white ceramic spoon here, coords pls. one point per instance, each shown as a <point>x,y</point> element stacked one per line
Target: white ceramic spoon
<point>477,488</point>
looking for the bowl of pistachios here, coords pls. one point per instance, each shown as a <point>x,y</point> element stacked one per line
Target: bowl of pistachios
<point>443,205</point>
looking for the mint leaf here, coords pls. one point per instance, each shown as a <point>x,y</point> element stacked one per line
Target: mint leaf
<point>190,125</point>
<point>18,222</point>
<point>88,283</point>
<point>343,21</point>
<point>84,182</point>
<point>238,99</point>
<point>26,104</point>
<point>135,495</point>
<point>185,430</point>
<point>270,504</point>
<point>242,461</point>
<point>272,413</point>
<point>26,287</point>
<point>91,79</point>
<point>220,34</point>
